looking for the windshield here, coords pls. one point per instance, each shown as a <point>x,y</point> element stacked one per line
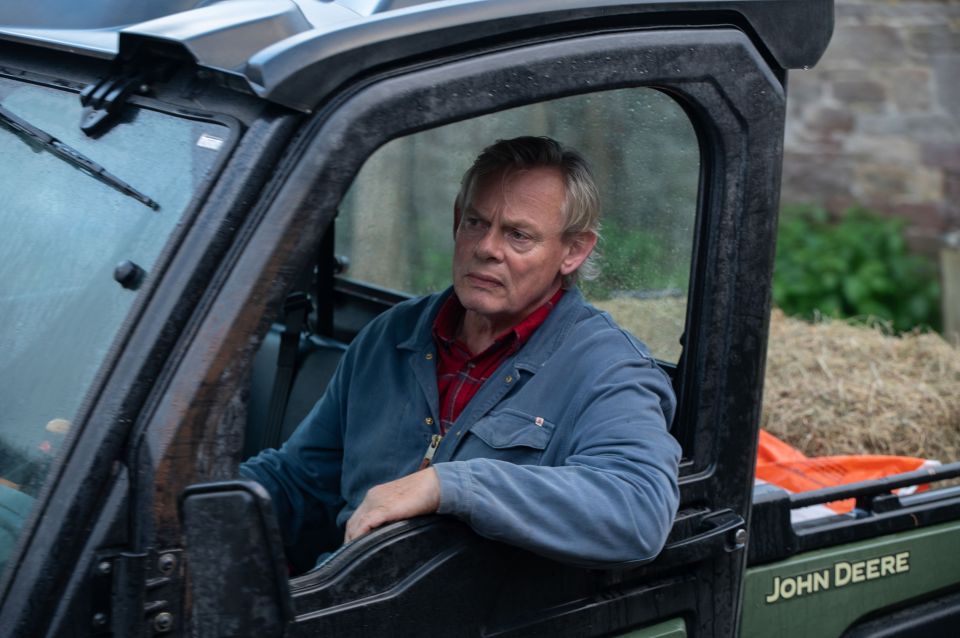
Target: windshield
<point>63,232</point>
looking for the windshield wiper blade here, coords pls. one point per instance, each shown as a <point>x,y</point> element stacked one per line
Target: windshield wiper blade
<point>72,156</point>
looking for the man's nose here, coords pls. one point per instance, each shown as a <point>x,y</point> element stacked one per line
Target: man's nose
<point>490,246</point>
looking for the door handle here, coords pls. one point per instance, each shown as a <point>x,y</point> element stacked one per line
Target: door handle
<point>719,531</point>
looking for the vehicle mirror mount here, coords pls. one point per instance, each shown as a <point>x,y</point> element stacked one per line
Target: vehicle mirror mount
<point>238,577</point>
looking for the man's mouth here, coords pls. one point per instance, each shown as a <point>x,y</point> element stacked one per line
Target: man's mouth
<point>483,281</point>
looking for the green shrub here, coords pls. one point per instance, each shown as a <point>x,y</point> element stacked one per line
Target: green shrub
<point>636,260</point>
<point>858,267</point>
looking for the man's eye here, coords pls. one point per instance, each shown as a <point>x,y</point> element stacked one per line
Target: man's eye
<point>517,236</point>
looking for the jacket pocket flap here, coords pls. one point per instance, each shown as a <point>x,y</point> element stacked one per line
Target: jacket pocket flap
<point>513,429</point>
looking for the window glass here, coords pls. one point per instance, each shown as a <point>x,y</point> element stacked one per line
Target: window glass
<point>63,231</point>
<point>396,222</point>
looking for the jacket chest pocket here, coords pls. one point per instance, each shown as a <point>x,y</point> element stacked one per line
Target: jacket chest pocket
<point>508,435</point>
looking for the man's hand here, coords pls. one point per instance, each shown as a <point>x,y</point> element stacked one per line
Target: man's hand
<point>412,495</point>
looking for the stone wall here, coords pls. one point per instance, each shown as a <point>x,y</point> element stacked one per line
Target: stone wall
<point>877,121</point>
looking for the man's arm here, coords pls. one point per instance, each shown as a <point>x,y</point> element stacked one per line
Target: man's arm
<point>612,501</point>
<point>303,476</point>
<point>614,497</point>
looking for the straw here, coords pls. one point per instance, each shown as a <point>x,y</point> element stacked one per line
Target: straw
<point>836,388</point>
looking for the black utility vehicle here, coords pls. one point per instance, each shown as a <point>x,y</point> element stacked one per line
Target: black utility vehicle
<point>202,205</point>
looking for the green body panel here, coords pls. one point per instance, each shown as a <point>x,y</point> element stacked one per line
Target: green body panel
<point>822,593</point>
<point>674,628</point>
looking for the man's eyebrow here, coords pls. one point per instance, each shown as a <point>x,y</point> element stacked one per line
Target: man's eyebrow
<point>518,224</point>
<point>523,226</point>
<point>472,210</point>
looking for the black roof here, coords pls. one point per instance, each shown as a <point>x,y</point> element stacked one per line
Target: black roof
<point>294,52</point>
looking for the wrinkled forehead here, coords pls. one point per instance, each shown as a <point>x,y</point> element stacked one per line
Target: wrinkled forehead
<point>539,187</point>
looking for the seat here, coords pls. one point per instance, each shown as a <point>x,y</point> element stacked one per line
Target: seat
<point>316,362</point>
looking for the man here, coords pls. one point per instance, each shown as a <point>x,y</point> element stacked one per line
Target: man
<point>506,401</point>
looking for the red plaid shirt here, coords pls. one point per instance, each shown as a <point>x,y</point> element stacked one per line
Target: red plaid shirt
<point>460,373</point>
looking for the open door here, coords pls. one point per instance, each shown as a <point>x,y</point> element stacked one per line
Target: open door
<point>686,129</point>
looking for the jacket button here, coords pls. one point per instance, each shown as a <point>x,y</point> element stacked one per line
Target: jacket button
<point>509,378</point>
<point>428,420</point>
<point>429,356</point>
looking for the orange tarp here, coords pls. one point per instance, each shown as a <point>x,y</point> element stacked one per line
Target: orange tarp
<point>785,466</point>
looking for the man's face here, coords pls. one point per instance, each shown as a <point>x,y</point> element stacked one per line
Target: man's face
<point>510,252</point>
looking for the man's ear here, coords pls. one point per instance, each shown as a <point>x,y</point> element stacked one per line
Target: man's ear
<point>579,247</point>
<point>456,219</point>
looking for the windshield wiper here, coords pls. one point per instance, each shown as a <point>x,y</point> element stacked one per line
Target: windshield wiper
<point>71,155</point>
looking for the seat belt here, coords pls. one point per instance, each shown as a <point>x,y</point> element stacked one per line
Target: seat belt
<point>295,310</point>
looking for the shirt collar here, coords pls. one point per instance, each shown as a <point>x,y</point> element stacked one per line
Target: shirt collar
<point>447,322</point>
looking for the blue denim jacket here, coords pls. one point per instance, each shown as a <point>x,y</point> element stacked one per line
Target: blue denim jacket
<point>563,451</point>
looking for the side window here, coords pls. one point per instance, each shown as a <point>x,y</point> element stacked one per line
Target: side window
<point>396,222</point>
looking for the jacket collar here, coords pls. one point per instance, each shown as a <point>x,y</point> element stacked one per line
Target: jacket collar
<point>421,337</point>
<point>552,333</point>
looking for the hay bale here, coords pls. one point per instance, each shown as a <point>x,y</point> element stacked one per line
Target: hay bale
<point>836,388</point>
<point>657,322</point>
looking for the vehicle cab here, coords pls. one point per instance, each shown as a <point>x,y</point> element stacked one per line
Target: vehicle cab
<point>205,205</point>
